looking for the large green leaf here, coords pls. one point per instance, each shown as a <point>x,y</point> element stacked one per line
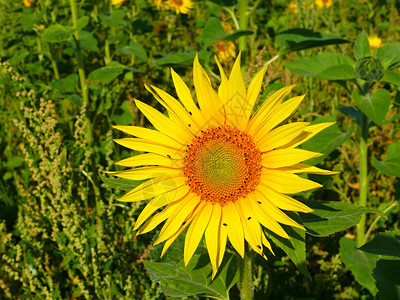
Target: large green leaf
<point>27,20</point>
<point>391,77</point>
<point>108,73</point>
<point>389,55</point>
<point>386,243</point>
<point>134,49</point>
<point>57,33</point>
<point>330,217</point>
<point>295,248</point>
<point>387,278</point>
<point>361,264</point>
<point>123,115</point>
<point>65,85</point>
<point>113,19</point>
<point>195,279</point>
<point>329,66</point>
<point>300,38</point>
<point>391,166</point>
<point>326,141</point>
<point>214,31</point>
<point>88,41</point>
<point>374,106</point>
<point>361,46</point>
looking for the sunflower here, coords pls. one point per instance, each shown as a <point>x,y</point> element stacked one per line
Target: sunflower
<point>117,2</point>
<point>374,42</point>
<point>216,168</point>
<point>180,6</point>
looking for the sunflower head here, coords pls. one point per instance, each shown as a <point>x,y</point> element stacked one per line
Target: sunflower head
<point>374,42</point>
<point>217,168</point>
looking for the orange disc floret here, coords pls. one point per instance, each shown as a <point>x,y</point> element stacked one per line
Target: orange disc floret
<point>222,164</point>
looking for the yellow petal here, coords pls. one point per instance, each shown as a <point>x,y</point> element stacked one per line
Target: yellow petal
<point>286,157</point>
<point>157,219</point>
<point>281,136</point>
<point>176,109</point>
<point>251,226</point>
<point>183,210</point>
<point>160,201</point>
<point>234,228</point>
<point>186,98</point>
<point>267,220</point>
<point>169,241</point>
<point>268,207</point>
<point>164,124</point>
<point>308,133</point>
<point>279,113</point>
<point>152,188</point>
<point>150,135</point>
<point>303,168</point>
<point>209,101</point>
<point>150,159</point>
<point>147,146</point>
<point>143,173</point>
<point>282,201</point>
<point>286,183</point>
<point>253,92</point>
<point>212,234</point>
<point>223,90</point>
<point>265,109</point>
<point>196,230</point>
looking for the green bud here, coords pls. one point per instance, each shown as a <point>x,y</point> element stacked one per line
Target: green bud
<point>369,68</point>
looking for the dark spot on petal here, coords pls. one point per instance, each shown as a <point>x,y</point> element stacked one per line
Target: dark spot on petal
<point>259,247</point>
<point>249,218</point>
<point>169,156</point>
<point>224,224</point>
<point>190,113</point>
<point>259,202</point>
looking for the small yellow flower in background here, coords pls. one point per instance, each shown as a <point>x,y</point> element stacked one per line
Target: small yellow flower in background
<point>217,168</point>
<point>226,50</point>
<point>293,7</point>
<point>27,3</point>
<point>374,42</point>
<point>118,2</point>
<point>180,6</point>
<point>323,3</point>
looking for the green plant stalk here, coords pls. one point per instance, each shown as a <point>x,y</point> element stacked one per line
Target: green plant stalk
<point>372,226</point>
<point>363,176</point>
<point>245,282</point>
<point>243,5</point>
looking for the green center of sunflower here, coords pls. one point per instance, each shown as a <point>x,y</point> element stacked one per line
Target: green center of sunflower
<point>222,164</point>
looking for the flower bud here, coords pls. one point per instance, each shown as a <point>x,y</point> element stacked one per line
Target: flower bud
<point>369,68</point>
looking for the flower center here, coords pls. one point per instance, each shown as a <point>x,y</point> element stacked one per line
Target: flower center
<point>178,2</point>
<point>222,164</point>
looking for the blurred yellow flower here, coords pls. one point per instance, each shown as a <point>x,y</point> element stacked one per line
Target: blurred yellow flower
<point>180,6</point>
<point>226,50</point>
<point>117,2</point>
<point>374,42</point>
<point>293,8</point>
<point>323,3</point>
<point>27,3</point>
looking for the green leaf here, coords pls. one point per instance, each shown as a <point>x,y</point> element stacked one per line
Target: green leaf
<point>300,38</point>
<point>361,264</point>
<point>113,19</point>
<point>295,248</point>
<point>328,66</point>
<point>18,56</point>
<point>176,280</point>
<point>123,115</point>
<point>214,31</point>
<point>391,166</point>
<point>57,33</point>
<point>386,243</point>
<point>389,55</point>
<point>28,20</point>
<point>88,41</point>
<point>351,111</point>
<point>66,85</point>
<point>82,22</point>
<point>330,217</point>
<point>119,183</point>
<point>374,107</point>
<point>326,141</point>
<point>361,46</point>
<point>387,278</point>
<point>134,49</point>
<point>391,77</point>
<point>107,74</point>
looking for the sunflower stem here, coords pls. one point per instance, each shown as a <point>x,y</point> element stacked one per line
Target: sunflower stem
<point>245,282</point>
<point>243,6</point>
<point>363,176</point>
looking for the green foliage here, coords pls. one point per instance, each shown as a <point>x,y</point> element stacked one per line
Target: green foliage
<point>391,166</point>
